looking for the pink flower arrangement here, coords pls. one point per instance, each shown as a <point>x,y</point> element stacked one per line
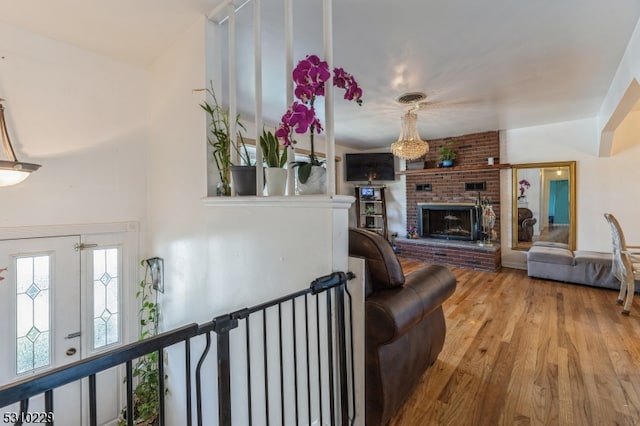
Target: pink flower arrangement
<point>309,77</point>
<point>524,185</point>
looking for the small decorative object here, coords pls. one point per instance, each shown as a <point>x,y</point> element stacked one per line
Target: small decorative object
<point>524,185</point>
<point>309,77</point>
<point>156,270</point>
<point>275,159</point>
<point>490,161</point>
<point>488,222</point>
<point>412,233</point>
<point>223,145</point>
<point>447,154</point>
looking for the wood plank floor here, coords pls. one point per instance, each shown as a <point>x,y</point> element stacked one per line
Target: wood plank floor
<point>522,351</point>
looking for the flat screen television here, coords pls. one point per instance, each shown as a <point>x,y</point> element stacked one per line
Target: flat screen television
<point>370,166</point>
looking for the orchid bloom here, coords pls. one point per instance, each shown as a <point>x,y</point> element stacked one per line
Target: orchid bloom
<point>524,184</point>
<point>309,77</point>
<point>298,118</point>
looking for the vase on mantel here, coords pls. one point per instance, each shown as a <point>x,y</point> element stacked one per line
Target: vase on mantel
<point>276,179</point>
<point>317,182</point>
<point>522,202</point>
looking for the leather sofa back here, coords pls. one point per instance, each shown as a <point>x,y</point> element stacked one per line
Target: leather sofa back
<point>383,266</point>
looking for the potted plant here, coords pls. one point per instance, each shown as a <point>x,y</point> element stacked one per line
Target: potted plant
<point>146,398</point>
<point>275,158</point>
<point>219,137</point>
<point>447,154</point>
<point>309,77</point>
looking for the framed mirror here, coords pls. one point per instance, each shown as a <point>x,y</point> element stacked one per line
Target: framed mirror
<point>544,204</point>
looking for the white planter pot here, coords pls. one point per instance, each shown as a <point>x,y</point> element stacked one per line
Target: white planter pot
<point>276,178</point>
<point>317,182</point>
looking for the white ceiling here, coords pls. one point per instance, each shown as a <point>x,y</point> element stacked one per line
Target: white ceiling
<point>485,65</point>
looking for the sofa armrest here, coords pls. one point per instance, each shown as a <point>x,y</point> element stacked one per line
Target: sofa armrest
<point>391,313</point>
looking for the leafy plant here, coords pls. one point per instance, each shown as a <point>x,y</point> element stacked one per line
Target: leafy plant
<point>146,398</point>
<point>273,154</point>
<point>446,151</point>
<point>219,137</point>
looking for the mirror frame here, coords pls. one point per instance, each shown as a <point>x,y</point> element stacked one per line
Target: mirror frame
<point>515,244</point>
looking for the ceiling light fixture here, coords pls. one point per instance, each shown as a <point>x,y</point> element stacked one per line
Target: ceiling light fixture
<point>409,145</point>
<point>12,171</point>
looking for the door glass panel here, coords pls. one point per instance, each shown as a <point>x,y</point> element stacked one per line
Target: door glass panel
<point>106,297</point>
<point>33,276</point>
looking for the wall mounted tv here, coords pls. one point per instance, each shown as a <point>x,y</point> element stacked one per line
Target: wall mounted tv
<point>370,166</point>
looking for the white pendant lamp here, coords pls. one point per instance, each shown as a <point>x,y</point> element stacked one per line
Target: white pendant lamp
<point>12,171</point>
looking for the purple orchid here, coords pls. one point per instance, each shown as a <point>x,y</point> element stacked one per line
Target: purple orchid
<point>310,76</point>
<point>524,185</point>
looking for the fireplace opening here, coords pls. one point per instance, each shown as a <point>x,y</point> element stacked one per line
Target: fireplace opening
<point>449,221</point>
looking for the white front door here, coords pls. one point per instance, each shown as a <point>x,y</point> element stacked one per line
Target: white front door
<point>62,303</point>
<point>40,295</point>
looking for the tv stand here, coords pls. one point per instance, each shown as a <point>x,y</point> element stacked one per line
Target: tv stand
<point>371,208</point>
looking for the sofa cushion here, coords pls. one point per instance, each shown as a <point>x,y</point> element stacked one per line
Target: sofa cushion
<point>553,255</point>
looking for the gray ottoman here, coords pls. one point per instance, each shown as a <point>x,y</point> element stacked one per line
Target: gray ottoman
<point>580,267</point>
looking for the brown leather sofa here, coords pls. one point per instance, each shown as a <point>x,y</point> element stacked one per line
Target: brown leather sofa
<point>404,323</point>
<point>525,224</point>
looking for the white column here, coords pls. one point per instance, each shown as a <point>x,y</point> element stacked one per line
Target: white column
<point>288,69</point>
<point>257,41</point>
<point>327,10</point>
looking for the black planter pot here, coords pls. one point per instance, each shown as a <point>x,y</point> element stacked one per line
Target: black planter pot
<point>244,179</point>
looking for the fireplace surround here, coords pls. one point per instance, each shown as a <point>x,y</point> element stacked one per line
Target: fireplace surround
<point>450,221</point>
<point>470,179</point>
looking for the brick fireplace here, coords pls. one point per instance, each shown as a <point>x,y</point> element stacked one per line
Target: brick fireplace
<point>471,180</point>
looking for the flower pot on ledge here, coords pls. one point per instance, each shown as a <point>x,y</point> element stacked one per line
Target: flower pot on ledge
<point>244,179</point>
<point>276,178</point>
<point>317,182</point>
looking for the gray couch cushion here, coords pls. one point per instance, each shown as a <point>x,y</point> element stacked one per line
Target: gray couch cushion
<point>553,255</point>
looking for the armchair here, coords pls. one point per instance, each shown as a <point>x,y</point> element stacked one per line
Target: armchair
<point>404,323</point>
<point>626,263</point>
<point>525,224</point>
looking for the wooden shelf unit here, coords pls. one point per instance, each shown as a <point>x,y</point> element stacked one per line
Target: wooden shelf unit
<point>371,208</point>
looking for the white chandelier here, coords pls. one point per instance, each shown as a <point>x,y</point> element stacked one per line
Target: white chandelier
<point>12,171</point>
<point>409,145</point>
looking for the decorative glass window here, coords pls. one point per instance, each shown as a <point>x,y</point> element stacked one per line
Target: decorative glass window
<point>106,297</point>
<point>33,301</point>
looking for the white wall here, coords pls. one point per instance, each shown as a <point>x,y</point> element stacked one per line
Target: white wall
<point>82,117</point>
<point>603,184</point>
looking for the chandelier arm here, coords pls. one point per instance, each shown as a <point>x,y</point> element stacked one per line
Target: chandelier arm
<point>6,141</point>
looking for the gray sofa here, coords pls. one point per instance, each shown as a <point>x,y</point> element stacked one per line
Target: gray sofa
<point>554,261</point>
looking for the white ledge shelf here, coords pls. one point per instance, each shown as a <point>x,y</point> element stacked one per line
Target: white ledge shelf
<point>296,201</point>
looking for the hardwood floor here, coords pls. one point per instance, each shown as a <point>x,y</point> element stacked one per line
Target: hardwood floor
<point>522,351</point>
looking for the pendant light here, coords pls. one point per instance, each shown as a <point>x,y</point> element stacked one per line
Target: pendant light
<point>12,171</point>
<point>409,145</point>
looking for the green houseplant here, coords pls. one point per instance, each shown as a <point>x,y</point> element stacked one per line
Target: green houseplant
<point>146,398</point>
<point>219,137</point>
<point>447,154</point>
<point>275,158</point>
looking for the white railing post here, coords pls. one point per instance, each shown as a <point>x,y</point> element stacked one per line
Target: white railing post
<point>288,69</point>
<point>257,41</point>
<point>330,143</point>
